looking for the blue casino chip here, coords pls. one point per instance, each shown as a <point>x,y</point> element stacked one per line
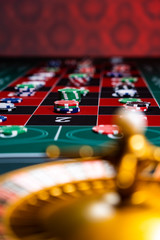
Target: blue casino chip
<point>66,110</point>
<point>25,94</point>
<point>11,100</point>
<point>54,63</point>
<point>25,90</point>
<point>114,74</point>
<point>3,118</point>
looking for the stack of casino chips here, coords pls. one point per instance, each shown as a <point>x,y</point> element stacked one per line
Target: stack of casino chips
<point>42,76</point>
<point>120,70</point>
<point>25,89</point>
<point>137,106</point>
<point>28,88</point>
<point>37,84</point>
<point>79,79</point>
<point>86,66</point>
<point>12,130</point>
<point>6,107</point>
<point>7,104</point>
<point>70,94</point>
<point>66,106</point>
<point>84,72</point>
<point>54,63</point>
<point>69,100</point>
<point>89,70</point>
<point>123,80</point>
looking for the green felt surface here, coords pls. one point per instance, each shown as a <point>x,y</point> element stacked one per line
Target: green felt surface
<point>9,71</point>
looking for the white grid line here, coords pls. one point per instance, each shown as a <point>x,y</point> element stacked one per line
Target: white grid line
<point>99,95</point>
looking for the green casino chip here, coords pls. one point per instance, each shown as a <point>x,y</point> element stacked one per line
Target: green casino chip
<point>29,85</point>
<point>129,79</point>
<point>63,107</point>
<point>70,94</point>
<point>126,100</point>
<point>84,92</point>
<point>12,130</point>
<point>79,75</point>
<point>52,69</point>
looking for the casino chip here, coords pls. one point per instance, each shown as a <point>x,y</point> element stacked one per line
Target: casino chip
<point>37,84</point>
<point>45,74</point>
<point>121,68</point>
<point>11,100</point>
<point>129,79</point>
<point>114,74</point>
<point>25,87</point>
<point>135,109</point>
<point>54,63</point>
<point>7,106</point>
<point>61,107</point>
<point>118,80</point>
<point>66,103</point>
<point>125,90</point>
<point>118,74</point>
<point>107,129</point>
<point>50,69</point>
<point>37,78</point>
<point>125,85</point>
<point>90,70</point>
<point>67,110</point>
<point>126,100</point>
<point>25,94</point>
<point>12,131</point>
<point>138,106</point>
<point>3,118</point>
<point>83,90</point>
<point>70,94</point>
<point>78,79</point>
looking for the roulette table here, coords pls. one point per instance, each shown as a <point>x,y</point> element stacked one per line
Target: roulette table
<point>45,127</point>
<point>35,201</point>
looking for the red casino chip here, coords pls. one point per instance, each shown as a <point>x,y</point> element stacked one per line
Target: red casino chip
<point>121,68</point>
<point>107,129</point>
<point>66,103</point>
<point>89,70</point>
<point>135,108</point>
<point>115,81</point>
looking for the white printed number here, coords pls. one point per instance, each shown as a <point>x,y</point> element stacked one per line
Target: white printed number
<point>63,119</point>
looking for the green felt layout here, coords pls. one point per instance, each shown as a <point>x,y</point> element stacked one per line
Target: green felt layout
<point>29,148</point>
<point>39,137</point>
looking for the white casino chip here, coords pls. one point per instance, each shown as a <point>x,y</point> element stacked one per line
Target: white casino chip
<point>45,74</point>
<point>7,106</point>
<point>37,84</point>
<point>37,78</point>
<point>125,90</point>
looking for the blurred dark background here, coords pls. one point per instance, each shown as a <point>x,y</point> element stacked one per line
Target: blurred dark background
<point>80,27</point>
